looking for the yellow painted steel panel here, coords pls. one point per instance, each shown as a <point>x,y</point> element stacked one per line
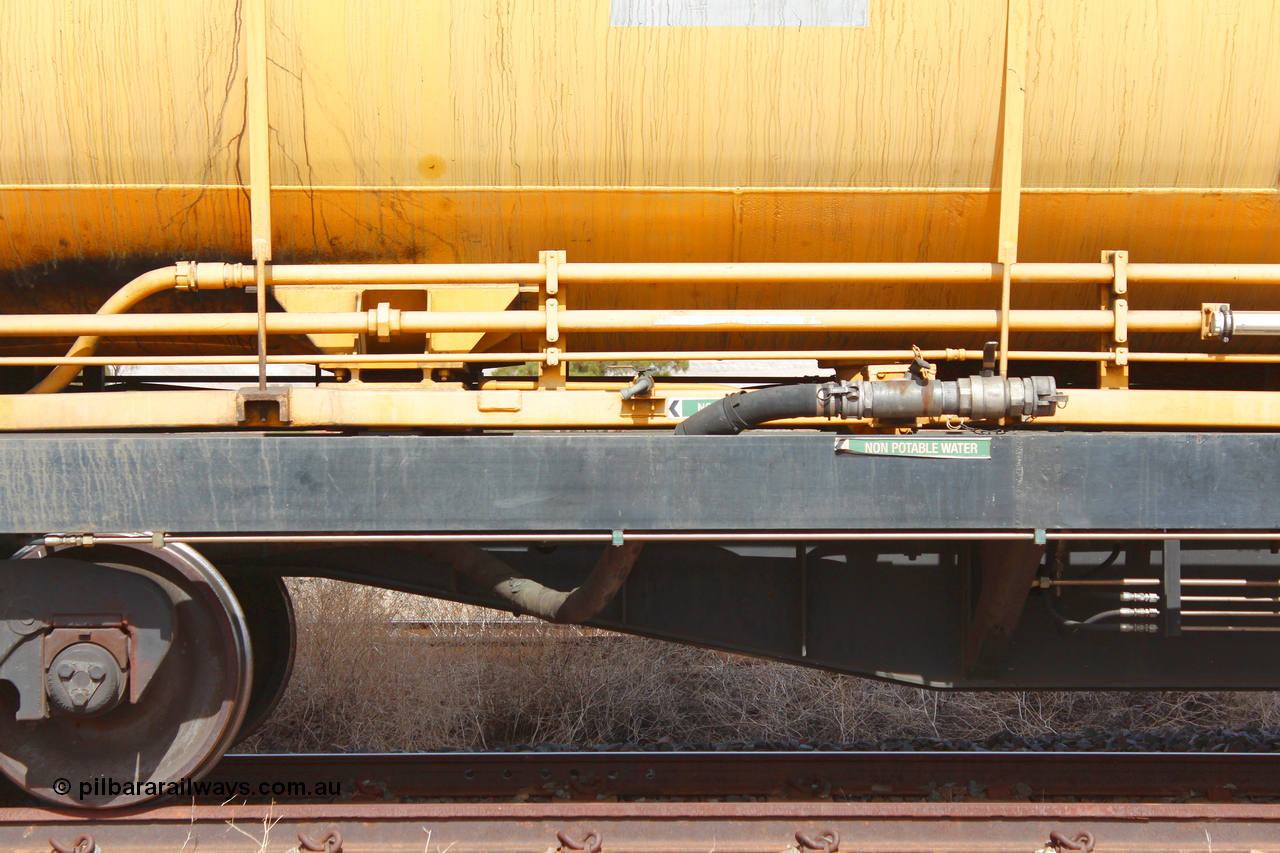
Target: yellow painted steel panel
<point>512,93</point>
<point>97,92</point>
<point>1145,93</point>
<point>527,94</point>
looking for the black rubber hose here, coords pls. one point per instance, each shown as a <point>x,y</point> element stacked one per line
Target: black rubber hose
<point>1072,625</point>
<point>747,409</point>
<point>1105,564</point>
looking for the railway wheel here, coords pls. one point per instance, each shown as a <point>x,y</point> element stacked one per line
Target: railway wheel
<point>146,667</point>
<point>273,634</point>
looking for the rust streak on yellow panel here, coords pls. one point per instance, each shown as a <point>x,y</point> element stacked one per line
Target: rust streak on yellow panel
<point>143,93</point>
<point>39,226</point>
<point>601,225</point>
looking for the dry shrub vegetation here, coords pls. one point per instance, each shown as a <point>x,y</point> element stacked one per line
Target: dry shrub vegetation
<point>363,684</point>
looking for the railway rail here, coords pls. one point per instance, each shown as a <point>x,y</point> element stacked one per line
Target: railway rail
<point>780,801</point>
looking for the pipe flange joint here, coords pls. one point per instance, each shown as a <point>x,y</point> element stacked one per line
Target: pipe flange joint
<point>192,276</point>
<point>185,276</point>
<point>383,321</point>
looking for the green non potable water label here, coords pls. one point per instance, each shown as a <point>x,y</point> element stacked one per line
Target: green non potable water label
<point>683,407</point>
<point>928,447</point>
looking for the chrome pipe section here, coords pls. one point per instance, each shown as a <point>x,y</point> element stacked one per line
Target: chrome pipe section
<point>1225,323</point>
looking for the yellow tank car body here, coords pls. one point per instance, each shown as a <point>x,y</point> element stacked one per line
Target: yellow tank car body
<point>1086,183</point>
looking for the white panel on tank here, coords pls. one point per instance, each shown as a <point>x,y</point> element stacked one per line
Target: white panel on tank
<point>739,13</point>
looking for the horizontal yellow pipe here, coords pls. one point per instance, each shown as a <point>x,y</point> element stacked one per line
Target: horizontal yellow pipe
<point>660,189</point>
<point>1206,358</point>
<point>417,322</point>
<point>580,273</point>
<point>770,273</point>
<point>48,325</point>
<point>858,320</point>
<point>507,357</point>
<point>638,355</point>
<point>218,275</point>
<point>1200,273</point>
<point>406,274</point>
<point>766,273</point>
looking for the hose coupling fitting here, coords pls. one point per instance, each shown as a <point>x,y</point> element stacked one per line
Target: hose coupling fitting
<point>974,397</point>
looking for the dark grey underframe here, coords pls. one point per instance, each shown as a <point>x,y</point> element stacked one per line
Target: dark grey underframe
<point>241,483</point>
<point>836,606</point>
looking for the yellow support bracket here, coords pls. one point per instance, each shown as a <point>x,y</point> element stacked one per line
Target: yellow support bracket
<point>1114,372</point>
<point>552,373</point>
